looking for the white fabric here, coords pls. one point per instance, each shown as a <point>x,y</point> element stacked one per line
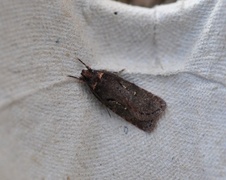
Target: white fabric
<point>52,127</point>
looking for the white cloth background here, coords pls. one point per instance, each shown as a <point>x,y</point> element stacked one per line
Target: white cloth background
<point>52,127</point>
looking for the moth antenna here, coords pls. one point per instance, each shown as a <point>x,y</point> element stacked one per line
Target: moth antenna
<point>73,77</point>
<point>84,64</point>
<point>81,79</point>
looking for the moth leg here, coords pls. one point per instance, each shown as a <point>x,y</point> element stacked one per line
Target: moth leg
<point>102,103</point>
<point>119,72</point>
<point>108,112</point>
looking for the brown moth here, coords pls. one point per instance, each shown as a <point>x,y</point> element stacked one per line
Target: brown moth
<point>134,104</point>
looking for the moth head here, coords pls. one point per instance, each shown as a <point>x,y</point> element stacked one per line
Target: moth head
<point>91,77</point>
<point>88,74</point>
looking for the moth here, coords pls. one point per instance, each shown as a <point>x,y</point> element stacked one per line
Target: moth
<point>134,104</point>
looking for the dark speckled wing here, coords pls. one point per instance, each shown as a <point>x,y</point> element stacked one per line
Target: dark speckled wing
<point>136,105</point>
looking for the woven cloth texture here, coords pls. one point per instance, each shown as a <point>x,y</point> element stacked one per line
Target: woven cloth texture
<point>52,127</point>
